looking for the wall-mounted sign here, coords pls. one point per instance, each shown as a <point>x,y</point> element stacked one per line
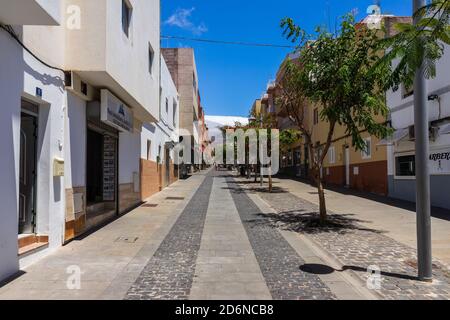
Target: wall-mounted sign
<point>115,113</point>
<point>439,162</point>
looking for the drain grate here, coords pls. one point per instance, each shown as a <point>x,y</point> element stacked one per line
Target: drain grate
<point>149,205</point>
<point>125,239</point>
<point>175,198</point>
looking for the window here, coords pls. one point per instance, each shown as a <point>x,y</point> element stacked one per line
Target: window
<point>167,105</point>
<point>149,150</point>
<point>405,166</point>
<point>151,57</point>
<point>175,107</point>
<point>84,88</point>
<point>316,116</point>
<point>126,17</point>
<point>367,152</point>
<point>332,155</point>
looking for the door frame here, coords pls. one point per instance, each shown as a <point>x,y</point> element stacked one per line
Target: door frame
<point>35,117</point>
<point>105,130</point>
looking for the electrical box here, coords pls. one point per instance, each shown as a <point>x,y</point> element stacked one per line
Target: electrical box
<point>58,167</point>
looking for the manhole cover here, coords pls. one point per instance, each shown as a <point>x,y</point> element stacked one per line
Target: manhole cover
<point>174,198</point>
<point>124,239</point>
<point>149,205</point>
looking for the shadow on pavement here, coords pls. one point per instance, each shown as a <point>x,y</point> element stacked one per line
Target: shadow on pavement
<point>308,222</point>
<point>321,269</point>
<point>12,278</point>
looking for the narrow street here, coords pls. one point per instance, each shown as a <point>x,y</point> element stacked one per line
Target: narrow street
<point>209,245</point>
<point>214,236</point>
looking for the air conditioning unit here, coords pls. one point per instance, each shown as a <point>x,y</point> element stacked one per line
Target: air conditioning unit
<point>433,133</point>
<point>77,86</point>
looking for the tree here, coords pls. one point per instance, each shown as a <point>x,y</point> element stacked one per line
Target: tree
<point>264,121</point>
<point>413,45</point>
<point>334,72</point>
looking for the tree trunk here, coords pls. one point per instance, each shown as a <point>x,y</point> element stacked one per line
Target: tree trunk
<point>322,202</point>
<point>270,180</point>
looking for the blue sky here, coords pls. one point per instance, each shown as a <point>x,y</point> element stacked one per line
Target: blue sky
<point>232,77</point>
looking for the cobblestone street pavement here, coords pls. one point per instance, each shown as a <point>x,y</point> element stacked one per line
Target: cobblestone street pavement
<point>357,247</point>
<point>241,256</point>
<point>219,237</point>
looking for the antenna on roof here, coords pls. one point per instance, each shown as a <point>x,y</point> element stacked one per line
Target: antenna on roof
<point>378,3</point>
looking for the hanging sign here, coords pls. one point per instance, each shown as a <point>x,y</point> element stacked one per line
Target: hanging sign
<point>115,113</point>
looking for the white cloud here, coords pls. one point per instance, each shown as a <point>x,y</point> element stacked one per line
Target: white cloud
<point>182,19</point>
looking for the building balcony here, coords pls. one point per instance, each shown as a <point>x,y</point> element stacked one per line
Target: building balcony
<point>118,54</point>
<point>30,12</point>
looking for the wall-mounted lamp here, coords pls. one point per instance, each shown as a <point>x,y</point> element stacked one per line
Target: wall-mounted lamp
<point>433,97</point>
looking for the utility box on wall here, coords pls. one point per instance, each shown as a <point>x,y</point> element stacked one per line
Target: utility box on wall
<point>58,167</point>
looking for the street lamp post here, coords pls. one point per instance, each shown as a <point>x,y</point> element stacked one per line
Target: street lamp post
<point>423,206</point>
<point>261,177</point>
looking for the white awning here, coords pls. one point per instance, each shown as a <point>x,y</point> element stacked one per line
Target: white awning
<point>398,135</point>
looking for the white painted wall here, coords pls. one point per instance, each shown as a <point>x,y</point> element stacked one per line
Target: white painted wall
<point>403,109</point>
<point>129,150</point>
<point>21,75</point>
<point>50,197</point>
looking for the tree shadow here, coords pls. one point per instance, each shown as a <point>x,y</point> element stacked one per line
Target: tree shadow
<point>308,222</point>
<point>321,269</point>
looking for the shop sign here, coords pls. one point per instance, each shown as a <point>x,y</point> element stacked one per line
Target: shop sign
<point>115,113</point>
<point>440,161</point>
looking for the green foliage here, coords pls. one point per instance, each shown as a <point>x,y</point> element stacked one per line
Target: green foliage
<point>335,72</point>
<point>289,137</point>
<point>414,45</point>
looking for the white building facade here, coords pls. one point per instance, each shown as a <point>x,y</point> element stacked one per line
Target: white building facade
<point>401,148</point>
<point>158,167</point>
<point>78,80</point>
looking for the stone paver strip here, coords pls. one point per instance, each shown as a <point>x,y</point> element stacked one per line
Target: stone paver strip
<point>279,262</point>
<point>358,247</point>
<point>227,268</point>
<point>170,272</point>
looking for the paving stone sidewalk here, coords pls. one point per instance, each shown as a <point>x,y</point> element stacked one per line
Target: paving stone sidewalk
<point>358,247</point>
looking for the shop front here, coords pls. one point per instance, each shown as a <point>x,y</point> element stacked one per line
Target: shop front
<point>402,170</point>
